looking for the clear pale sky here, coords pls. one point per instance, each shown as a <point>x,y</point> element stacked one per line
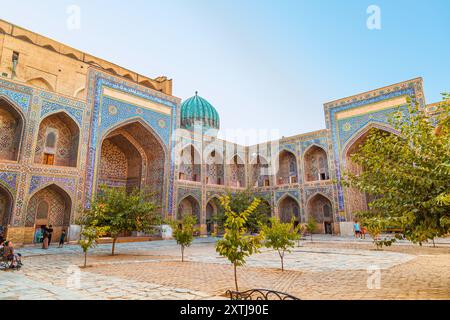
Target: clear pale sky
<point>262,64</point>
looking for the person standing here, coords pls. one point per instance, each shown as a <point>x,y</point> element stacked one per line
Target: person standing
<point>62,239</point>
<point>45,239</point>
<point>50,234</point>
<point>357,229</point>
<point>363,232</point>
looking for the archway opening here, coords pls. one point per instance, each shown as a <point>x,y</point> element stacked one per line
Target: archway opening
<point>57,142</point>
<point>355,200</point>
<point>321,209</point>
<point>190,164</point>
<point>6,205</point>
<point>49,206</point>
<point>237,172</point>
<point>288,209</point>
<point>189,206</point>
<point>133,157</point>
<point>215,168</point>
<point>316,164</point>
<point>287,168</point>
<point>261,176</point>
<point>11,128</point>
<point>214,213</point>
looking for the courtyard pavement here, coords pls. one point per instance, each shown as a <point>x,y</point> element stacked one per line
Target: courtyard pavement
<point>328,268</point>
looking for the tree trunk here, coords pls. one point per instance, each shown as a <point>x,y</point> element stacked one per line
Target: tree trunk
<point>434,244</point>
<point>281,254</point>
<point>311,236</point>
<point>182,253</point>
<point>235,277</point>
<point>85,259</point>
<point>114,246</point>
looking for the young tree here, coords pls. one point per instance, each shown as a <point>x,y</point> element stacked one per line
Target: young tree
<point>311,226</point>
<point>236,244</point>
<point>408,174</point>
<point>240,201</point>
<point>281,236</point>
<point>375,227</point>
<point>89,238</point>
<point>121,211</point>
<point>183,232</point>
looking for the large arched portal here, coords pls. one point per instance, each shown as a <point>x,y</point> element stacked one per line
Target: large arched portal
<point>133,157</point>
<point>57,142</point>
<point>189,206</point>
<point>11,128</point>
<point>287,168</point>
<point>289,208</point>
<point>316,164</point>
<point>321,209</point>
<point>49,206</point>
<point>6,203</point>
<point>356,200</point>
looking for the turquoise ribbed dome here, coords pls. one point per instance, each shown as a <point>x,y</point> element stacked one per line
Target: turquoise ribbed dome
<point>197,110</point>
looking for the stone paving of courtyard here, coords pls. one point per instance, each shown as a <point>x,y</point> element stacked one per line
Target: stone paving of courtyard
<point>327,268</point>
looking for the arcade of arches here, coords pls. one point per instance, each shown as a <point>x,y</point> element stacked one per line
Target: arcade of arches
<point>11,127</point>
<point>132,157</point>
<point>57,142</point>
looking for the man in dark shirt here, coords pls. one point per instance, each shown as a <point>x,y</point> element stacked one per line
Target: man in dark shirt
<point>50,233</point>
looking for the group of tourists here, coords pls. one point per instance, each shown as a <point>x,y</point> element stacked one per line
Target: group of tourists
<point>360,233</point>
<point>47,233</point>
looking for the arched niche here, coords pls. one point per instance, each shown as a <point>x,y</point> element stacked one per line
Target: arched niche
<point>287,172</point>
<point>189,164</point>
<point>215,173</point>
<point>11,130</point>
<point>50,206</point>
<point>289,208</point>
<point>316,164</point>
<point>237,172</point>
<point>189,206</point>
<point>58,141</point>
<point>260,172</point>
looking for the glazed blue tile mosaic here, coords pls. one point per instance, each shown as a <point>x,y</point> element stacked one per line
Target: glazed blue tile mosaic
<point>51,107</point>
<point>9,179</point>
<point>37,182</point>
<point>22,100</point>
